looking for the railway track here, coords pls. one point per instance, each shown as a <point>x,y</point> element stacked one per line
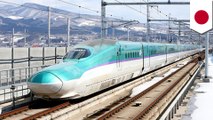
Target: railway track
<point>150,103</point>
<point>26,113</point>
<point>31,112</point>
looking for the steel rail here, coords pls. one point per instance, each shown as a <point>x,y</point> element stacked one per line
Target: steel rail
<point>45,112</point>
<point>37,115</point>
<point>13,112</point>
<point>140,115</point>
<point>128,102</point>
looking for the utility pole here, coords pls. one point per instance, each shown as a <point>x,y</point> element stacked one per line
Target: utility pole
<point>103,20</point>
<point>106,30</point>
<point>49,22</point>
<point>147,22</point>
<point>178,41</point>
<point>169,25</point>
<point>13,35</point>
<point>206,79</point>
<point>113,31</point>
<point>128,31</point>
<point>189,37</point>
<point>25,37</point>
<point>68,32</point>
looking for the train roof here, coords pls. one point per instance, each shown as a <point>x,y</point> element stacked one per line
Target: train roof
<point>94,43</point>
<point>108,42</point>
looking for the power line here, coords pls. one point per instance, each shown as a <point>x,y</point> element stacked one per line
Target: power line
<point>132,8</point>
<point>54,11</point>
<point>159,11</point>
<point>96,11</point>
<point>139,11</point>
<point>86,8</point>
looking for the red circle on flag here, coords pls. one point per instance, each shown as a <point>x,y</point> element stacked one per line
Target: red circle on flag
<point>201,17</point>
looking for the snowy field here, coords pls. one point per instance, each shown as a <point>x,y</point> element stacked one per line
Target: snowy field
<point>203,102</point>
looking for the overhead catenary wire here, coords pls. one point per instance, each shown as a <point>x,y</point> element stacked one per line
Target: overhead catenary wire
<point>134,9</point>
<point>58,12</point>
<point>157,10</point>
<point>53,10</point>
<point>86,8</point>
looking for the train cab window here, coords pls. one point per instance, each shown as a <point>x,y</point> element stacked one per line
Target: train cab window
<point>77,53</point>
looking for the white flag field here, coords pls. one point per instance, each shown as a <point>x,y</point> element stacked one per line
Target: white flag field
<point>201,15</point>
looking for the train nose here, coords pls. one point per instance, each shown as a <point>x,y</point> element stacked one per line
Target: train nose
<point>45,83</point>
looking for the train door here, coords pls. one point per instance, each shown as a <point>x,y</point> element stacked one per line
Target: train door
<point>142,56</point>
<point>118,57</point>
<point>149,54</point>
<point>166,53</point>
<point>146,57</point>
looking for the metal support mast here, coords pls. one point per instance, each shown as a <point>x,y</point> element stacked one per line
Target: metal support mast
<point>103,21</point>
<point>206,79</point>
<point>25,37</point>
<point>49,21</point>
<point>113,30</point>
<point>13,35</point>
<point>178,41</point>
<point>169,27</point>
<point>147,22</point>
<point>68,32</point>
<point>128,33</point>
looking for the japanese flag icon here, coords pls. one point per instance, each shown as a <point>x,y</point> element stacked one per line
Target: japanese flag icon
<point>201,15</point>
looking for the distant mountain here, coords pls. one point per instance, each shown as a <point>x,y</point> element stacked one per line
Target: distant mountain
<point>34,17</point>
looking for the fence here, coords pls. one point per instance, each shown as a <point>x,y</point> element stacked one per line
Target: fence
<point>14,85</point>
<point>18,64</point>
<point>26,57</point>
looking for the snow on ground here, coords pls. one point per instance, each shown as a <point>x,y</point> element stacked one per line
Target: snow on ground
<point>15,17</point>
<point>144,86</point>
<point>87,23</point>
<point>204,97</point>
<point>148,84</point>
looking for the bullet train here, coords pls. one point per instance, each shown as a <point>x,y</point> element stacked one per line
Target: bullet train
<point>96,65</point>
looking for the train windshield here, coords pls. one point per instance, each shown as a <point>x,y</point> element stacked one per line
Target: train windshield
<point>77,53</point>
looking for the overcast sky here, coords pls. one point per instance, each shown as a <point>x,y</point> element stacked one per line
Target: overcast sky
<point>179,11</point>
